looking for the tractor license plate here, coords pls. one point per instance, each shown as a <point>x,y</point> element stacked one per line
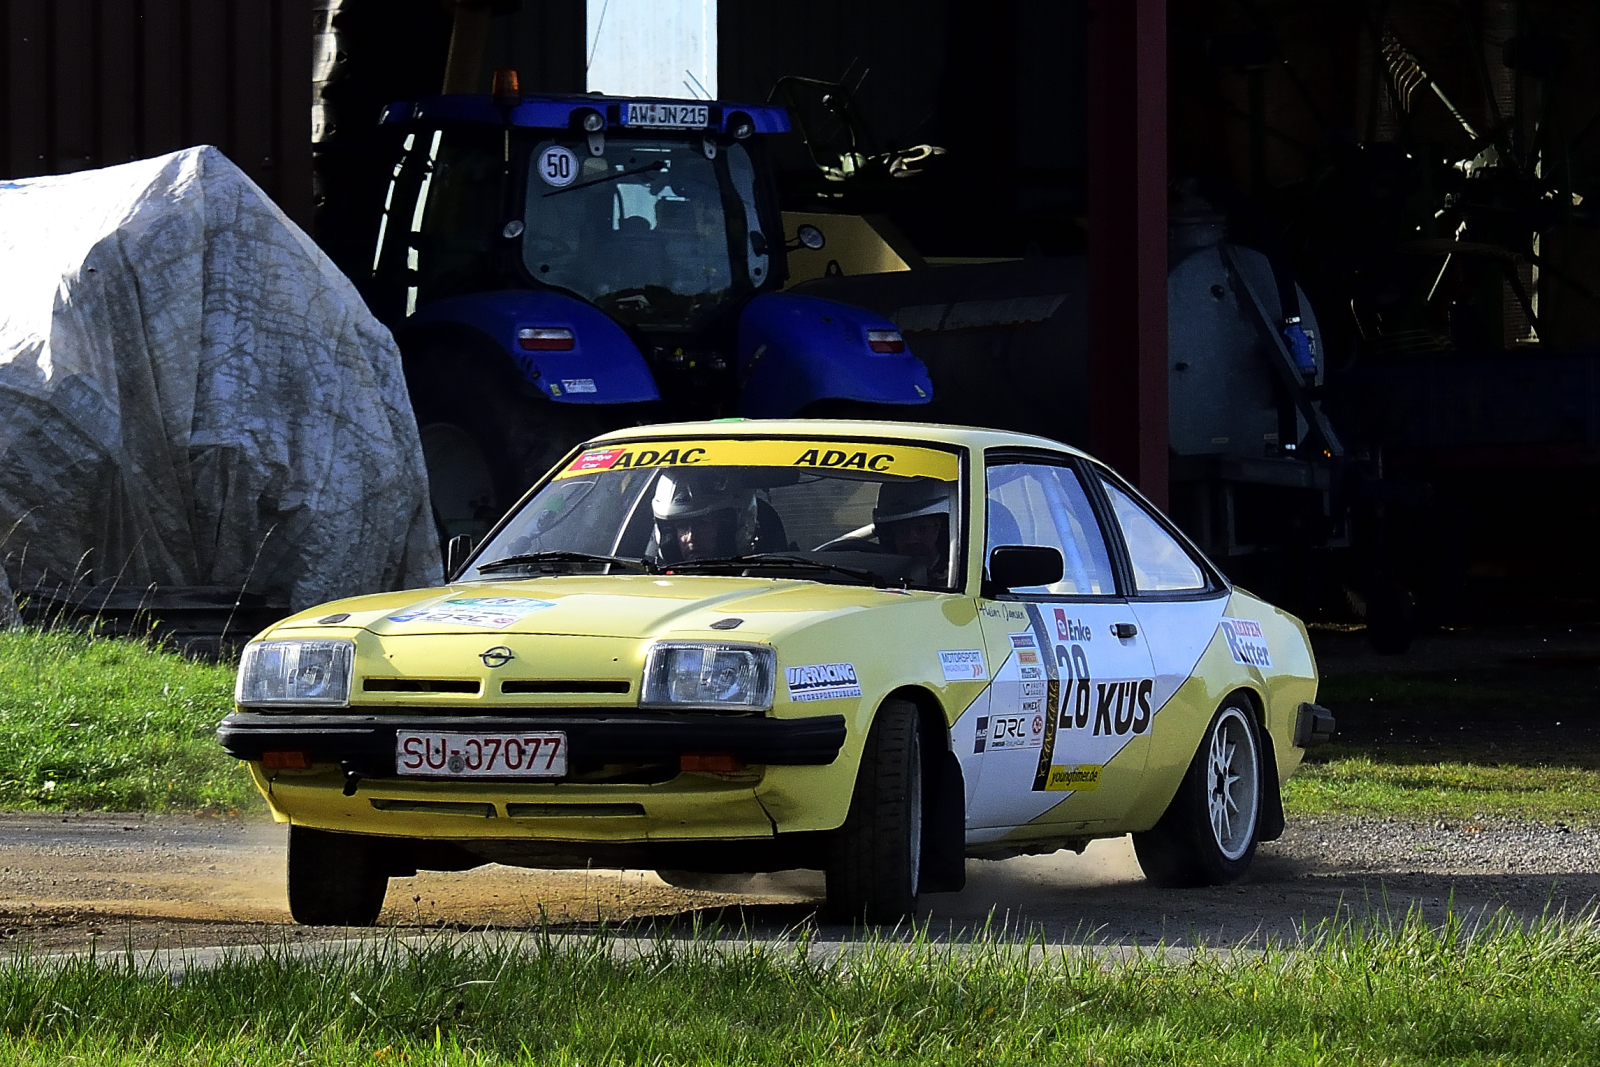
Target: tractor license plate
<point>667,116</point>
<point>528,754</point>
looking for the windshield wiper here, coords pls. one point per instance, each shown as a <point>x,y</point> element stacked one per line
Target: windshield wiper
<point>779,559</point>
<point>659,164</point>
<point>534,559</point>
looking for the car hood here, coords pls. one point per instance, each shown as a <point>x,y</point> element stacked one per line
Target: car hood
<point>638,606</point>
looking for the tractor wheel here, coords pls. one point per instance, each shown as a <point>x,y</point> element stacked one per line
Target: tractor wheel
<point>1209,832</point>
<point>336,879</point>
<point>875,860</point>
<point>484,440</point>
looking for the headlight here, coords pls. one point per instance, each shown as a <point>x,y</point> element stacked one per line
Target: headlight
<point>295,672</point>
<point>708,675</point>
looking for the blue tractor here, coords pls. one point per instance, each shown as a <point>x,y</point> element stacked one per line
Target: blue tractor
<point>554,266</point>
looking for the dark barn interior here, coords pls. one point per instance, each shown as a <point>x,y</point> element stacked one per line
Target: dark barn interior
<point>1425,170</point>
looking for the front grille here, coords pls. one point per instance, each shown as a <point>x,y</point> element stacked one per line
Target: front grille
<point>421,685</point>
<point>540,685</point>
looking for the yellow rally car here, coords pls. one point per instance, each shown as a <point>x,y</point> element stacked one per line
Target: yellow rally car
<point>870,648</point>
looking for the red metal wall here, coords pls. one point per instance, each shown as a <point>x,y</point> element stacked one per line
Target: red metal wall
<point>91,83</point>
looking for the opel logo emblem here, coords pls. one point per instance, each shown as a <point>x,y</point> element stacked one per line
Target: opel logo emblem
<point>498,656</point>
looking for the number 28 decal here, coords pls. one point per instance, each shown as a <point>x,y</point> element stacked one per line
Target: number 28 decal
<point>558,166</point>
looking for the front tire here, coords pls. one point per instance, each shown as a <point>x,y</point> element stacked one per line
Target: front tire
<point>335,879</point>
<point>1209,832</point>
<point>875,859</point>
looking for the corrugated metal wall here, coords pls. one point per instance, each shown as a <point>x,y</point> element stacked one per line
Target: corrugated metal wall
<point>91,83</point>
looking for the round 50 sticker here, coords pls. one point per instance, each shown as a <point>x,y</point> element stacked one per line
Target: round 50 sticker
<point>558,166</point>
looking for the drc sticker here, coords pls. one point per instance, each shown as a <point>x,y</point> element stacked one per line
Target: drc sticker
<point>578,385</point>
<point>558,166</point>
<point>963,666</point>
<point>822,681</point>
<point>1016,731</point>
<point>1080,778</point>
<point>489,612</point>
<point>1246,641</point>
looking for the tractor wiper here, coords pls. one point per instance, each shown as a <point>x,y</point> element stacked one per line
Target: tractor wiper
<point>547,561</point>
<point>659,164</point>
<point>778,560</point>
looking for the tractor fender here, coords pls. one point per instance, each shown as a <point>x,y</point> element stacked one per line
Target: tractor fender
<point>796,350</point>
<point>603,366</point>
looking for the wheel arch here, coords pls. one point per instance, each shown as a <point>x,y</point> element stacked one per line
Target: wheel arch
<point>1272,817</point>
<point>430,336</point>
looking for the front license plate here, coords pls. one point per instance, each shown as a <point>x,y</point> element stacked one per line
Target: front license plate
<point>521,755</point>
<point>667,116</point>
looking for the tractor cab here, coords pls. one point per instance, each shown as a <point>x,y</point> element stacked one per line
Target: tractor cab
<point>538,255</point>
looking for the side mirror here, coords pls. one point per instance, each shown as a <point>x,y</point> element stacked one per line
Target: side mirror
<point>810,237</point>
<point>456,553</point>
<point>1018,566</point>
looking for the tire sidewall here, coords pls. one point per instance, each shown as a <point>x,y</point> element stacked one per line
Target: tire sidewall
<point>1215,864</point>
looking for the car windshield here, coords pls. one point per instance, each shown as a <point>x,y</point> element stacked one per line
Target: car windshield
<point>854,512</point>
<point>643,230</point>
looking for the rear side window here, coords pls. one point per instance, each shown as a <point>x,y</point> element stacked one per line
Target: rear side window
<point>1160,563</point>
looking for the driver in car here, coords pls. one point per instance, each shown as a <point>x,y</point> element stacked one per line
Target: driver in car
<point>913,519</point>
<point>702,515</point>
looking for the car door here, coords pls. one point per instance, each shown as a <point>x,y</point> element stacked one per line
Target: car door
<point>1177,597</point>
<point>1072,677</point>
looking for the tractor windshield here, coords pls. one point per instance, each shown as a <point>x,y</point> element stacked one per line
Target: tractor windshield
<point>659,234</point>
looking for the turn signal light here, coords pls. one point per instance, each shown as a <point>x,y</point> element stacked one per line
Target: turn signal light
<point>546,339</point>
<point>286,761</point>
<point>885,341</point>
<point>710,761</point>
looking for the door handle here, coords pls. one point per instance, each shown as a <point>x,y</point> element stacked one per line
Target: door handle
<point>1124,630</point>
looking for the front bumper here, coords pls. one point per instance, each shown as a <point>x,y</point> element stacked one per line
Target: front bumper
<point>366,743</point>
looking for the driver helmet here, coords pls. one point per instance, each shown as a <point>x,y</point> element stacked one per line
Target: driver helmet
<point>911,499</point>
<point>685,494</point>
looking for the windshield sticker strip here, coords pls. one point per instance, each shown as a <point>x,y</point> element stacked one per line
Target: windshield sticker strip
<point>822,681</point>
<point>905,461</point>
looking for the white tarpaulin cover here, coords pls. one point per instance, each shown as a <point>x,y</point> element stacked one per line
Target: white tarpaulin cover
<point>192,394</point>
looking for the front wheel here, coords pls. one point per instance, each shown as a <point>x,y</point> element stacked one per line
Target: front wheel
<point>335,879</point>
<point>876,856</point>
<point>1209,832</point>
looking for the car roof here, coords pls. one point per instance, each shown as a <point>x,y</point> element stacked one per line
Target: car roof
<point>973,437</point>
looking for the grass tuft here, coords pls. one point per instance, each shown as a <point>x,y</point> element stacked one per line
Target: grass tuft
<point>1397,993</point>
<point>100,723</point>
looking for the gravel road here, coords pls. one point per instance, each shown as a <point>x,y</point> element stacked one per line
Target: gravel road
<point>66,881</point>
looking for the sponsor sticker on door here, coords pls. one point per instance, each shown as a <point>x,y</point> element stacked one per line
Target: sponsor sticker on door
<point>963,665</point>
<point>1080,777</point>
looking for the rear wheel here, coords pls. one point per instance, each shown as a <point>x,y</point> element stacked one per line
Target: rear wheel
<point>1209,832</point>
<point>335,879</point>
<point>876,856</point>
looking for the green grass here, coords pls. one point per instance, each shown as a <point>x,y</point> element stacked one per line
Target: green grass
<point>1353,782</point>
<point>96,723</point>
<point>1402,994</point>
